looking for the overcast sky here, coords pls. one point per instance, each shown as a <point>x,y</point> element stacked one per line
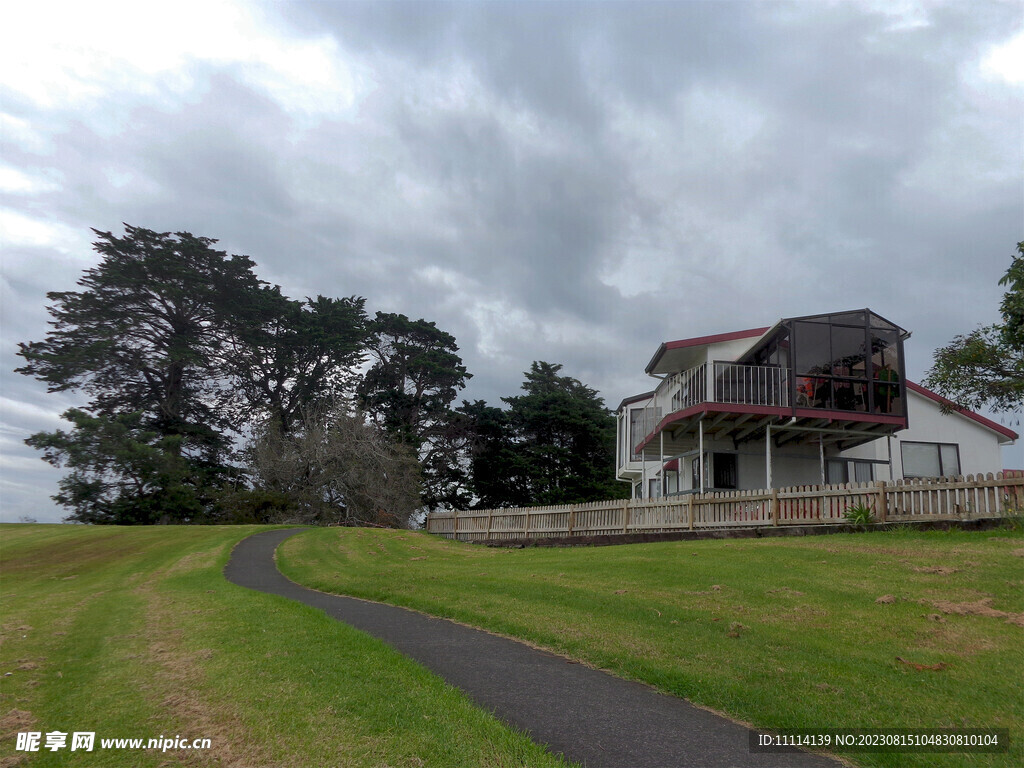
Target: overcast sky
<point>570,182</point>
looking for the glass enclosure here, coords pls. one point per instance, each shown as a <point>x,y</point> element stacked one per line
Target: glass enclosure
<point>850,361</point>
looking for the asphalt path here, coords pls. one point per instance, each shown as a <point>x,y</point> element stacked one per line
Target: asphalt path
<point>589,716</point>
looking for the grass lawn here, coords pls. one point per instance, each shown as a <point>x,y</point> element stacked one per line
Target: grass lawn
<point>816,632</point>
<point>134,633</point>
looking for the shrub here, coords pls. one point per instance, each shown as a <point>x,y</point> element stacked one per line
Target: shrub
<point>859,515</point>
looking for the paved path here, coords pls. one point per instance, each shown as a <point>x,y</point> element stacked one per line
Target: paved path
<point>587,715</point>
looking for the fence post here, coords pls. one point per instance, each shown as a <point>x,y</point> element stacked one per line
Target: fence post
<point>689,511</point>
<point>490,518</point>
<point>572,519</point>
<point>881,505</point>
<point>992,495</point>
<point>625,518</point>
<point>455,524</point>
<point>774,505</point>
<point>526,526</point>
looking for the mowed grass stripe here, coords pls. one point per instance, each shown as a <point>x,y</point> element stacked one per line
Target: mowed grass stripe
<point>780,633</point>
<point>133,632</point>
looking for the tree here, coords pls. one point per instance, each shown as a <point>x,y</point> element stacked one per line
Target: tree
<point>985,368</point>
<point>492,454</point>
<point>408,391</point>
<point>149,339</point>
<point>554,445</point>
<point>147,336</point>
<point>336,468</point>
<point>125,474</point>
<point>292,356</point>
<point>181,349</point>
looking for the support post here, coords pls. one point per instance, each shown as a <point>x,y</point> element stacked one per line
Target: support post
<point>618,443</point>
<point>768,456</point>
<point>643,472</point>
<point>661,465</point>
<point>700,454</point>
<point>821,458</point>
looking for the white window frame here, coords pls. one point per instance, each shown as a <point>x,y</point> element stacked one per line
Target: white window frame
<point>632,440</point>
<point>943,471</point>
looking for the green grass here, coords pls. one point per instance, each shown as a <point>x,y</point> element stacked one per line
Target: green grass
<point>780,633</point>
<point>133,632</point>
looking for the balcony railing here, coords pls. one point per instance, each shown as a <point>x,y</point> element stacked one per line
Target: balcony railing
<point>732,383</point>
<point>687,388</point>
<point>752,384</point>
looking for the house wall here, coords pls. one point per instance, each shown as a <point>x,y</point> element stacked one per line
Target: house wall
<point>728,350</point>
<point>795,465</point>
<point>978,446</point>
<point>979,449</point>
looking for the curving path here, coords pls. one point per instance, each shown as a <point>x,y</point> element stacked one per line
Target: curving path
<point>587,715</point>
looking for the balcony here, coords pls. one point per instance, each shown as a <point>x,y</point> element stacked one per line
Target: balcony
<point>730,383</point>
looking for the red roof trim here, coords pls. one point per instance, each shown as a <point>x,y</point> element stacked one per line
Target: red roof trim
<point>710,407</point>
<point>857,416</point>
<point>963,411</point>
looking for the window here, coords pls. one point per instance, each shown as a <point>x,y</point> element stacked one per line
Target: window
<point>695,474</point>
<point>849,470</point>
<point>863,471</point>
<point>930,459</point>
<point>835,472</point>
<point>636,424</point>
<point>847,362</point>
<point>725,470</point>
<point>848,358</point>
<point>813,353</point>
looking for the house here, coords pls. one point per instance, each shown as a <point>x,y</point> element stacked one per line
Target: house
<point>810,400</point>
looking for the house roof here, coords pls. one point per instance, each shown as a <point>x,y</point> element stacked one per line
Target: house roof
<point>942,401</point>
<point>699,341</point>
<point>634,398</point>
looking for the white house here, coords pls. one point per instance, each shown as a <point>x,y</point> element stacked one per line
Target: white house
<point>816,399</point>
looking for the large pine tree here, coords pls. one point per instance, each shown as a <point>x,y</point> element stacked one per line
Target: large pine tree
<point>149,339</point>
<point>415,376</point>
<point>555,444</point>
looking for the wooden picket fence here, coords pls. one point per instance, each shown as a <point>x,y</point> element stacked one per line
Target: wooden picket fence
<point>948,498</point>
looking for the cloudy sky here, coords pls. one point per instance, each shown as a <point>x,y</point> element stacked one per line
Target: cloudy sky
<point>571,182</point>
